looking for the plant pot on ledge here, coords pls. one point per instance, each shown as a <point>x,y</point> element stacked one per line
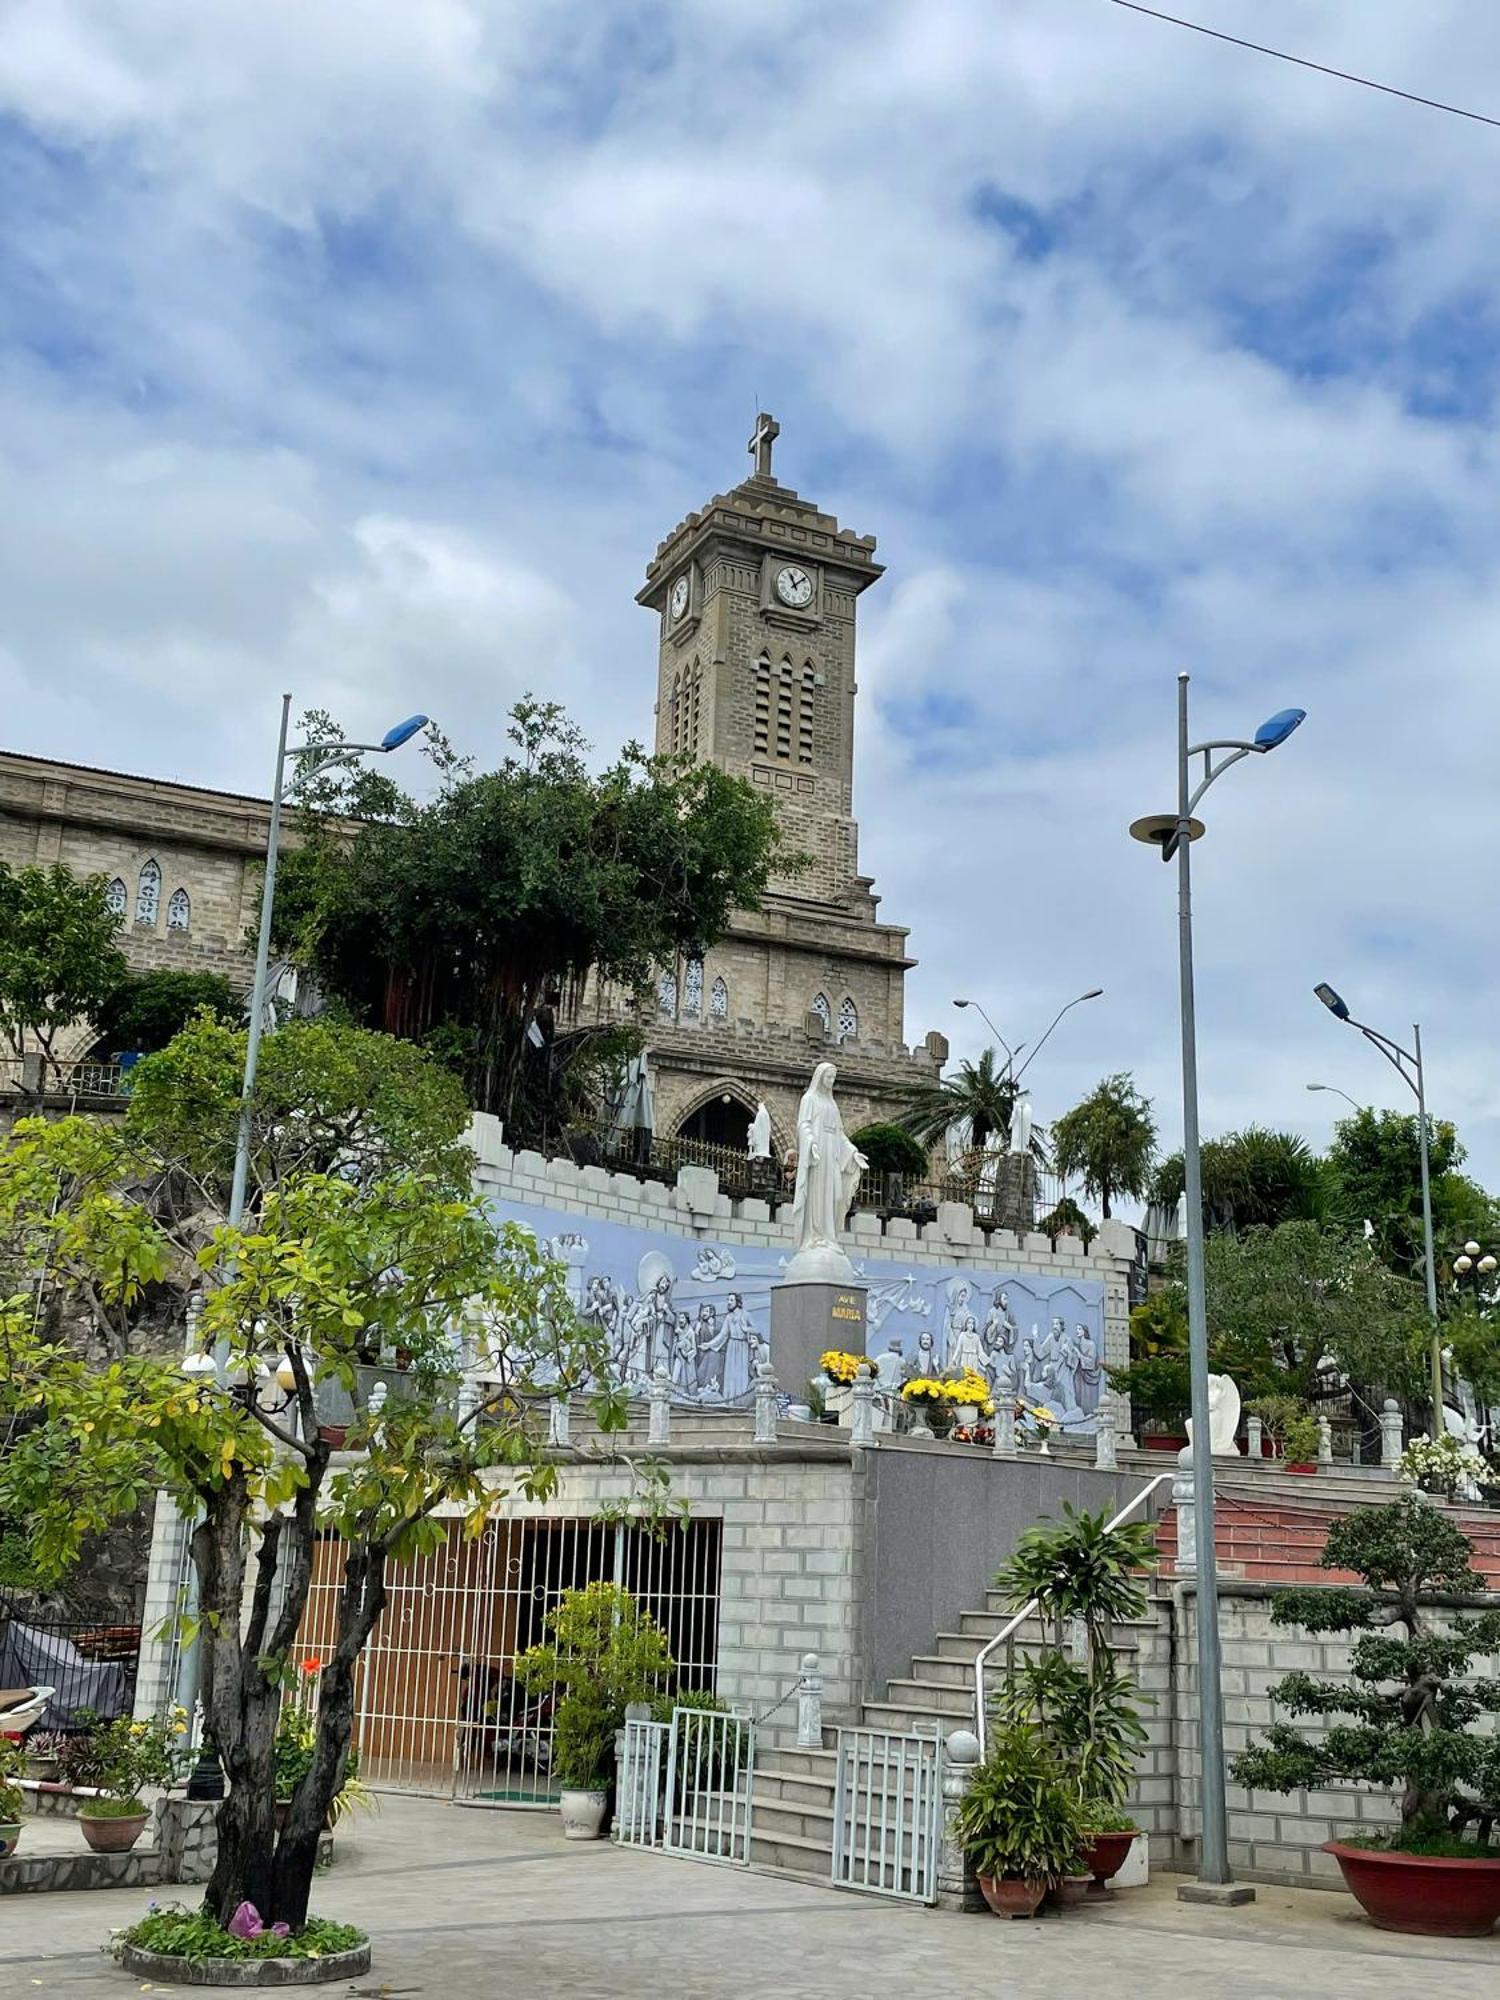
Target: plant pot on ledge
<point>112,1833</point>
<point>10,1836</point>
<point>1426,1894</point>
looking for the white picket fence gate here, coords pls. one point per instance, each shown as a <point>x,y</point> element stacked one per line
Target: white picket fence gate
<point>888,1813</point>
<point>687,1787</point>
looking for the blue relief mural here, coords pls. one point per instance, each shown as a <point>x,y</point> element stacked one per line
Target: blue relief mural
<point>705,1309</point>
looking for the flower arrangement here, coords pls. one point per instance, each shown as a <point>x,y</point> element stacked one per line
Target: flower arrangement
<point>840,1367</point>
<point>1442,1465</point>
<point>980,1434</point>
<point>925,1389</point>
<point>1036,1418</point>
<point>970,1387</point>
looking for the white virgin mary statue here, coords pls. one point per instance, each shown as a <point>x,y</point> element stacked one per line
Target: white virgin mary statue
<point>828,1171</point>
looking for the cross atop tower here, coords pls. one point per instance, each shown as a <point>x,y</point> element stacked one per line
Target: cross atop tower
<point>767,430</point>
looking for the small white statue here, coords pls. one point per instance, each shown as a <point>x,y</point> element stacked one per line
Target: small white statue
<point>1020,1125</point>
<point>759,1146</point>
<point>1223,1416</point>
<point>828,1171</point>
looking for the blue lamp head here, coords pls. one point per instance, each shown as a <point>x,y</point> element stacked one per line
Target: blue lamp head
<point>1279,728</point>
<point>1337,1007</point>
<point>403,732</point>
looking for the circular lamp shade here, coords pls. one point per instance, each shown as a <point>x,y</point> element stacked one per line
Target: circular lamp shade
<point>1463,1264</point>
<point>1487,1265</point>
<point>286,1377</point>
<point>1471,1249</point>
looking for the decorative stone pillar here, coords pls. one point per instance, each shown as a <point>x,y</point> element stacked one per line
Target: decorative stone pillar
<point>957,1887</point>
<point>635,1808</point>
<point>659,1396</point>
<point>1005,1429</point>
<point>1254,1439</point>
<point>862,1423</point>
<point>810,1704</point>
<point>1390,1433</point>
<point>1325,1441</point>
<point>765,1403</point>
<point>557,1420</point>
<point>1105,1459</point>
<point>1185,1503</point>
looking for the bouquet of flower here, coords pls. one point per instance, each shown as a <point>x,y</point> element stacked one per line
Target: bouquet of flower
<point>970,1387</point>
<point>840,1367</point>
<point>923,1389</point>
<point>1444,1465</point>
<point>980,1434</point>
<point>1036,1418</point>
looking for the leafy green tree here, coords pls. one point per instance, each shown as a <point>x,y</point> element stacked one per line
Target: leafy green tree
<point>481,914</point>
<point>1375,1175</point>
<point>1251,1179</point>
<point>58,959</point>
<point>980,1098</point>
<point>890,1149</point>
<point>1068,1219</point>
<point>1107,1141</point>
<point>1410,1716</point>
<point>148,1008</point>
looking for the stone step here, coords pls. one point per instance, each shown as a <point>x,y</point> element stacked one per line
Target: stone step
<point>793,1853</point>
<point>773,1787</point>
<point>774,1821</point>
<point>929,1697</point>
<point>901,1716</point>
<point>794,1763</point>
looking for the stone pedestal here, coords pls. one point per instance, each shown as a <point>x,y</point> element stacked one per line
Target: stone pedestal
<point>807,1318</point>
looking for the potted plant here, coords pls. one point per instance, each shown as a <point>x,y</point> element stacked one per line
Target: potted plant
<point>43,1755</point>
<point>296,1740</point>
<point>927,1400</point>
<point>1411,1727</point>
<point>969,1395</point>
<point>604,1653</point>
<point>131,1756</point>
<point>839,1370</point>
<point>1035,1420</point>
<point>12,1763</point>
<point>1019,1823</point>
<point>1445,1466</point>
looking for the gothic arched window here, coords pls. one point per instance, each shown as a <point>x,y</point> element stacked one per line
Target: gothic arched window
<point>666,993</point>
<point>179,910</point>
<point>718,1001</point>
<point>824,1012</point>
<point>148,894</point>
<point>692,987</point>
<point>116,897</point>
<point>848,1020</point>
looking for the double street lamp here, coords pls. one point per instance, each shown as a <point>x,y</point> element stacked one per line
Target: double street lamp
<point>1407,1064</point>
<point>1173,834</point>
<point>1094,993</point>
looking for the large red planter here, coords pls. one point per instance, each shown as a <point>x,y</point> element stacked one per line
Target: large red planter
<point>1424,1893</point>
<point>1010,1896</point>
<point>1104,1855</point>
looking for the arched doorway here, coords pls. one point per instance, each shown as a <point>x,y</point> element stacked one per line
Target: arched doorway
<point>720,1120</point>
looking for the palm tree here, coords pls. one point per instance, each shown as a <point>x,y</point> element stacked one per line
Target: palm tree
<point>1108,1141</point>
<point>1255,1178</point>
<point>982,1096</point>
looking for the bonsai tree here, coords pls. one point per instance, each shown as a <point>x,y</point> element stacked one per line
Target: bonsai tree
<point>1289,1424</point>
<point>1086,1712</point>
<point>1020,1818</point>
<point>1407,1722</point>
<point>604,1653</point>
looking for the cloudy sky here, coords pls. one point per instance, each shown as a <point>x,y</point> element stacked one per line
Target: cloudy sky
<point>368,351</point>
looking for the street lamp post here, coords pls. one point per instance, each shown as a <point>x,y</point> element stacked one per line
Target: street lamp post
<point>1407,1064</point>
<point>1094,993</point>
<point>1174,834</point>
<point>1337,1093</point>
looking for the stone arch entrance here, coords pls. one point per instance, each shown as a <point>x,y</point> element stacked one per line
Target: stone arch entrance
<point>720,1117</point>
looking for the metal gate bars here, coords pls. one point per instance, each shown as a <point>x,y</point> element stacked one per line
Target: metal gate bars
<point>888,1813</point>
<point>686,1787</point>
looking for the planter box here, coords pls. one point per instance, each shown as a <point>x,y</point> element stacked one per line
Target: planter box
<point>1427,1895</point>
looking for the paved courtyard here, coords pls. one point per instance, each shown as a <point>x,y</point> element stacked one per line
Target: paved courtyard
<point>464,1905</point>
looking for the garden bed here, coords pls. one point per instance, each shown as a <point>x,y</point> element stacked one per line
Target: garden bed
<point>179,1947</point>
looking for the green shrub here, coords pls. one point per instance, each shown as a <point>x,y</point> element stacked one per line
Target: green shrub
<point>193,1934</point>
<point>890,1150</point>
<point>1021,1815</point>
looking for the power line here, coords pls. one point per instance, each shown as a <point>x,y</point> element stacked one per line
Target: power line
<point>1302,62</point>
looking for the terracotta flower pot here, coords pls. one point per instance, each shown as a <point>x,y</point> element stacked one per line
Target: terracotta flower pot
<point>1306,1466</point>
<point>1010,1896</point>
<point>1427,1894</point>
<point>1068,1892</point>
<point>333,1435</point>
<point>1104,1856</point>
<point>113,1836</point>
<point>10,1837</point>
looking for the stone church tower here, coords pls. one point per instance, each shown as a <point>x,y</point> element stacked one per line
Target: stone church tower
<point>756,596</point>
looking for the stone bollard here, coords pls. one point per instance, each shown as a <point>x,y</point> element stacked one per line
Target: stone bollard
<point>957,1887</point>
<point>1185,1502</point>
<point>659,1395</point>
<point>810,1704</point>
<point>1254,1439</point>
<point>557,1420</point>
<point>862,1417</point>
<point>1005,1429</point>
<point>1105,1459</point>
<point>1390,1433</point>
<point>765,1404</point>
<point>1325,1441</point>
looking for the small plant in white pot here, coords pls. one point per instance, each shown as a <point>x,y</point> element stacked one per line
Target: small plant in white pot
<point>604,1653</point>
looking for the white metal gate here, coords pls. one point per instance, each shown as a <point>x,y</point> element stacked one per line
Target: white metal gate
<point>688,1788</point>
<point>888,1813</point>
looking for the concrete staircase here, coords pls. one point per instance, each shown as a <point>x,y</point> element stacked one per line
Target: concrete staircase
<point>792,1826</point>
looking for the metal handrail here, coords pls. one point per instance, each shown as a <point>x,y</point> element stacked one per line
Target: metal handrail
<point>1026,1610</point>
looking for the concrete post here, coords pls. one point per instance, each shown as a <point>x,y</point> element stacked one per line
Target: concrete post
<point>557,1420</point>
<point>659,1396</point>
<point>957,1887</point>
<point>765,1403</point>
<point>1105,1459</point>
<point>1184,1499</point>
<point>810,1704</point>
<point>1390,1433</point>
<point>1254,1439</point>
<point>862,1418</point>
<point>1005,1429</point>
<point>1325,1441</point>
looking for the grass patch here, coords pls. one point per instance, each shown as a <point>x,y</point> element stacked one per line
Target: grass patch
<point>193,1934</point>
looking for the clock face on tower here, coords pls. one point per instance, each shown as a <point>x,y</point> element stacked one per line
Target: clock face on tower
<point>794,586</point>
<point>678,601</point>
